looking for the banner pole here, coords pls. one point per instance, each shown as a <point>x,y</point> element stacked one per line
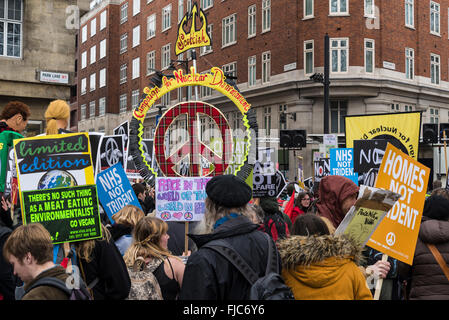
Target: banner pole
<point>445,152</point>
<point>379,282</point>
<point>186,238</point>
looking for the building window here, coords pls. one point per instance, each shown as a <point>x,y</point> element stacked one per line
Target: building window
<point>180,10</point>
<point>267,120</point>
<point>123,43</point>
<point>102,80</point>
<point>123,72</point>
<point>135,98</point>
<point>308,57</point>
<point>283,108</point>
<point>165,99</point>
<point>409,13</point>
<point>83,112</point>
<point>151,62</point>
<point>229,30</point>
<point>408,108</point>
<point>124,13</point>
<point>136,7</point>
<point>93,27</point>
<point>93,54</point>
<point>205,91</point>
<point>92,109</point>
<point>102,48</point>
<point>136,36</point>
<point>165,56</point>
<point>84,34</point>
<point>395,107</point>
<point>308,8</point>
<point>83,59</point>
<point>339,55</point>
<point>92,82</point>
<point>136,68</point>
<point>434,115</point>
<point>207,49</point>
<point>252,21</point>
<point>206,4</point>
<point>230,69</point>
<point>123,103</point>
<point>83,86</point>
<point>434,68</point>
<point>369,56</point>
<point>11,28</point>
<point>252,71</point>
<point>103,20</point>
<point>266,15</point>
<point>266,67</point>
<point>338,6</point>
<point>434,18</point>
<point>409,63</point>
<point>151,26</point>
<point>369,8</point>
<point>338,110</point>
<point>166,17</point>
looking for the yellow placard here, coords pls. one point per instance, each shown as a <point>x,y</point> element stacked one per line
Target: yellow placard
<point>397,234</point>
<point>404,127</point>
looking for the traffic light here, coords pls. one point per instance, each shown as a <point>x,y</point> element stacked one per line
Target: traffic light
<point>283,117</point>
<point>430,132</point>
<point>292,138</point>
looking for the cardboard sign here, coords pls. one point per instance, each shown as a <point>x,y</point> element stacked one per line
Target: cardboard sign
<point>180,199</point>
<point>322,168</point>
<point>95,142</point>
<point>368,154</point>
<point>342,164</point>
<point>112,151</point>
<point>148,152</point>
<point>69,214</point>
<point>115,191</point>
<point>397,233</point>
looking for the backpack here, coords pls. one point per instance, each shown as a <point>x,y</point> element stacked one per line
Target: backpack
<point>80,293</point>
<point>275,226</point>
<point>271,286</point>
<point>144,285</point>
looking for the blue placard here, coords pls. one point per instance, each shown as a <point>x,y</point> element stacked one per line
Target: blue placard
<point>114,190</point>
<point>342,163</point>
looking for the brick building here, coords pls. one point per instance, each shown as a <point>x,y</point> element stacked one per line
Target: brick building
<point>385,56</point>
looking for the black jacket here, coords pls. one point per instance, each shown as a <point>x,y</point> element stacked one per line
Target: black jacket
<point>7,279</point>
<point>209,276</point>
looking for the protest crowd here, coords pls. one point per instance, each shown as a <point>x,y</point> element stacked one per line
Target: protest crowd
<point>285,247</point>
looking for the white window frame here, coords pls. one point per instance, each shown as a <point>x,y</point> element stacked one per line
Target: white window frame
<point>409,18</point>
<point>16,24</point>
<point>101,106</point>
<point>373,57</point>
<point>252,19</point>
<point>92,82</point>
<point>93,54</point>
<point>308,3</point>
<point>136,36</point>
<point>166,17</point>
<point>83,112</point>
<point>136,7</point>
<point>102,78</point>
<point>436,13</point>
<point>83,86</point>
<point>151,62</point>
<point>230,68</point>
<point>409,63</point>
<point>339,49</point>
<point>229,25</point>
<point>134,98</point>
<point>252,71</point>
<point>306,52</point>
<point>102,49</point>
<point>93,27</point>
<point>92,110</point>
<point>151,26</point>
<point>206,4</point>
<point>369,8</point>
<point>123,103</point>
<point>136,68</point>
<point>180,10</point>
<point>266,67</point>
<point>165,56</point>
<point>103,17</point>
<point>435,65</point>
<point>207,49</point>
<point>83,59</point>
<point>123,73</point>
<point>339,11</point>
<point>123,43</point>
<point>124,13</point>
<point>266,15</point>
<point>434,115</point>
<point>84,34</point>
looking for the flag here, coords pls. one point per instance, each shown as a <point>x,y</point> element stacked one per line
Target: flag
<point>290,205</point>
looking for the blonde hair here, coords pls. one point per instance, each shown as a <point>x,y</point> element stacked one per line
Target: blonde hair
<point>56,110</point>
<point>146,238</point>
<point>84,248</point>
<point>129,215</point>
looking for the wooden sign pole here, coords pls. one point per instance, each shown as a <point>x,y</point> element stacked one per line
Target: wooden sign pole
<point>379,282</point>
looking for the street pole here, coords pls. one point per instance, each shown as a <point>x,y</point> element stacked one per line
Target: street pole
<point>326,84</point>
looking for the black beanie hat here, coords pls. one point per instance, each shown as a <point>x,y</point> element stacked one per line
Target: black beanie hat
<point>436,207</point>
<point>269,205</point>
<point>228,191</point>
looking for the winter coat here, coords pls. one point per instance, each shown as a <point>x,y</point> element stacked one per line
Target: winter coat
<point>209,276</point>
<point>323,268</point>
<point>122,235</point>
<point>47,292</point>
<point>428,281</point>
<point>296,212</point>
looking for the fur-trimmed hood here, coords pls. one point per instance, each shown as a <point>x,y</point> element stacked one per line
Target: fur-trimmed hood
<point>304,251</point>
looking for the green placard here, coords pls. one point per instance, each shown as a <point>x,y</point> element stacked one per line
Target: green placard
<point>69,214</point>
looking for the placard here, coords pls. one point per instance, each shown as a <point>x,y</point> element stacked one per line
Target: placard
<point>112,151</point>
<point>180,199</point>
<point>342,164</point>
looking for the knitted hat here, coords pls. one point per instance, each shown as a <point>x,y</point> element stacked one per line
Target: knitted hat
<point>228,191</point>
<point>436,207</point>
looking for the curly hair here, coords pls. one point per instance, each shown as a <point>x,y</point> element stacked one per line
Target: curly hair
<point>13,108</point>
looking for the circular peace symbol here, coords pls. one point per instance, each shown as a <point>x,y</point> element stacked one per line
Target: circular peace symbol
<point>165,215</point>
<point>112,154</point>
<point>188,216</point>
<point>121,131</point>
<point>391,238</point>
<point>193,148</point>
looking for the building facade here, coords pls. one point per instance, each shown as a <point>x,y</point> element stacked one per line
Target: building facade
<point>385,56</point>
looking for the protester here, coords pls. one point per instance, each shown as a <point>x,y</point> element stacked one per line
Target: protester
<point>425,278</point>
<point>302,205</point>
<point>57,116</point>
<point>319,266</point>
<point>29,249</point>
<point>275,222</point>
<point>7,279</point>
<point>208,274</point>
<point>102,268</point>
<point>149,251</point>
<point>146,199</point>
<point>177,233</point>
<point>125,221</point>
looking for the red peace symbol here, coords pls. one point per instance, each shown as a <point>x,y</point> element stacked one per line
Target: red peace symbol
<point>165,215</point>
<point>194,148</point>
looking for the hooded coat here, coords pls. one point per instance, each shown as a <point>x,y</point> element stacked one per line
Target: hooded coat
<point>323,268</point>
